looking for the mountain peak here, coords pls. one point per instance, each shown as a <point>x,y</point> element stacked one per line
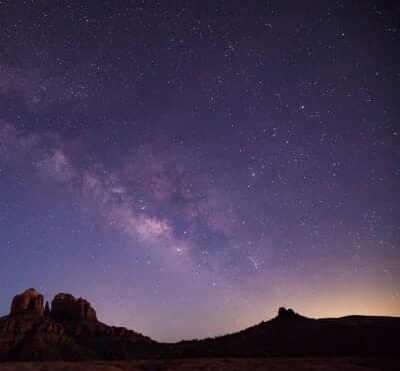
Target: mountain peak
<point>287,313</point>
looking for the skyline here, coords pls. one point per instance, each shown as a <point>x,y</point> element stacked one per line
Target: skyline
<point>189,168</point>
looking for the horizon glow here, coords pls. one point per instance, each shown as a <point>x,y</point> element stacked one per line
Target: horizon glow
<point>189,167</point>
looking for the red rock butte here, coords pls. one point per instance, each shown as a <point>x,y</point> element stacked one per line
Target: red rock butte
<point>30,301</point>
<point>70,331</point>
<point>63,307</point>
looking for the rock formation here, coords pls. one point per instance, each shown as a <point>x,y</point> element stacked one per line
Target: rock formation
<point>286,313</point>
<point>30,301</point>
<point>66,307</point>
<point>47,309</point>
<point>68,331</point>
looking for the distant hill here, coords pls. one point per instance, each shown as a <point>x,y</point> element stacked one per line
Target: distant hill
<point>69,330</point>
<point>290,334</point>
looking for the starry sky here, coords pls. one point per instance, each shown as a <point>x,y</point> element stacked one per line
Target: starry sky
<point>190,166</point>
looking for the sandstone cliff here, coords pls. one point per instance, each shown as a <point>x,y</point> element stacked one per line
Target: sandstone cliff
<point>66,307</point>
<point>69,330</point>
<point>29,301</point>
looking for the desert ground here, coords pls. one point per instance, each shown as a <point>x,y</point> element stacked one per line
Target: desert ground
<point>223,364</point>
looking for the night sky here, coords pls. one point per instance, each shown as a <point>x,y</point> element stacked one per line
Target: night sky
<point>190,166</point>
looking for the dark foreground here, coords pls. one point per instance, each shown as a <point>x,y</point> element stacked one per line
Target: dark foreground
<point>69,331</point>
<point>222,364</point>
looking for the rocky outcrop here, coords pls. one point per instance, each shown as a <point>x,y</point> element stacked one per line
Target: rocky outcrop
<point>65,307</point>
<point>284,313</point>
<point>47,310</point>
<point>68,331</point>
<point>30,301</point>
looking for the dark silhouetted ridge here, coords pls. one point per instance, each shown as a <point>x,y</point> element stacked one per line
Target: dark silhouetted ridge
<point>69,330</point>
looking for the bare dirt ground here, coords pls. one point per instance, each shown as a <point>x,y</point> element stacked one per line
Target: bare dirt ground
<point>221,364</point>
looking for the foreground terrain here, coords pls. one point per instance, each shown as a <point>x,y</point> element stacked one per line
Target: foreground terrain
<point>68,331</point>
<point>223,364</point>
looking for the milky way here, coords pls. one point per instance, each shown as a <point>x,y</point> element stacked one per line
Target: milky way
<point>190,166</point>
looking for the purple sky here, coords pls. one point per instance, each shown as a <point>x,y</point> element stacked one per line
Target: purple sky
<point>190,166</point>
